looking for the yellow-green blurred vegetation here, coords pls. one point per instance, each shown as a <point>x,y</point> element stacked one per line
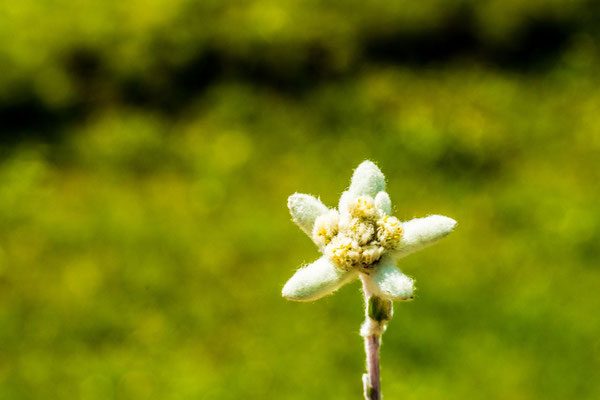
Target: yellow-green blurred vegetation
<point>148,149</point>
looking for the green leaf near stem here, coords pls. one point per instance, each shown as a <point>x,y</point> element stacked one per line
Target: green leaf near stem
<point>380,309</point>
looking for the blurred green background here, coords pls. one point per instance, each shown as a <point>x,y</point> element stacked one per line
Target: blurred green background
<point>148,148</point>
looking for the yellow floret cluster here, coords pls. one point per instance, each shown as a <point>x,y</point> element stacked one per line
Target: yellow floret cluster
<point>358,237</point>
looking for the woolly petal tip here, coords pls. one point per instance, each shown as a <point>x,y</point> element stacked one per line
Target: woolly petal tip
<point>383,203</point>
<point>389,283</point>
<point>367,180</point>
<point>344,202</point>
<point>423,232</point>
<point>305,209</point>
<point>316,280</point>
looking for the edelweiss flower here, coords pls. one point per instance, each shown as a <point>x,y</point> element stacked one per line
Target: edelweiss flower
<point>361,237</point>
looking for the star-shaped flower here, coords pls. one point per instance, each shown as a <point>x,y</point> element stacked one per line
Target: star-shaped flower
<point>360,238</point>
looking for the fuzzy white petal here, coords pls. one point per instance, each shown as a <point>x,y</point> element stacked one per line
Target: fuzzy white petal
<point>305,209</point>
<point>383,203</point>
<point>316,280</point>
<point>367,180</point>
<point>389,283</point>
<point>421,232</point>
<point>343,205</point>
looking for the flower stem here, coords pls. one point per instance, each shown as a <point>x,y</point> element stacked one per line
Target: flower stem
<point>378,314</point>
<point>371,380</point>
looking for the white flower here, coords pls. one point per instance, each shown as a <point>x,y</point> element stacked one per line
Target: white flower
<point>361,237</point>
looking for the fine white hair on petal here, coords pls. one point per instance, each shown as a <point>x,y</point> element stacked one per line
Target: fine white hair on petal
<point>362,207</point>
<point>316,280</point>
<point>344,203</point>
<point>343,251</point>
<point>358,229</point>
<point>371,254</point>
<point>421,232</point>
<point>389,232</point>
<point>326,227</point>
<point>389,283</point>
<point>305,209</point>
<point>383,203</point>
<point>367,180</point>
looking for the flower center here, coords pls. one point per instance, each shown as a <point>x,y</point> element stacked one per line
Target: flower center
<point>358,238</point>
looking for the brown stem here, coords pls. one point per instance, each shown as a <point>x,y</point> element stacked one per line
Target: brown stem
<point>378,313</point>
<point>372,381</point>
